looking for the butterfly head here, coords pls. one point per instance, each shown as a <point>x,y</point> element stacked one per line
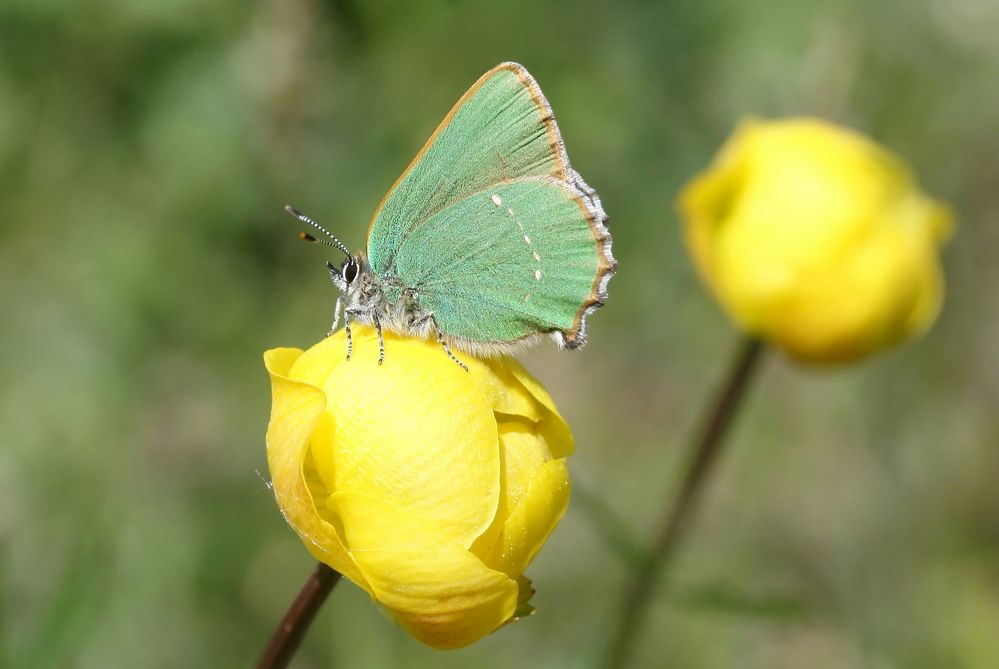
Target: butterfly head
<point>348,277</point>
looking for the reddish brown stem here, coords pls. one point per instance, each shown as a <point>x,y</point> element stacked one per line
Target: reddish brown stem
<point>705,450</point>
<point>289,634</point>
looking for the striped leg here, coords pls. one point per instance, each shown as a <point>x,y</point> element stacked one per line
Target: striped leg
<point>336,317</point>
<point>440,340</point>
<point>381,340</point>
<point>350,337</point>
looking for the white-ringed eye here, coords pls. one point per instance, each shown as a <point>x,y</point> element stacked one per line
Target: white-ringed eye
<point>350,271</point>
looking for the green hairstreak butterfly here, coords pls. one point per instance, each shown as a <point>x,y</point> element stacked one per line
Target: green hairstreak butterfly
<point>489,240</point>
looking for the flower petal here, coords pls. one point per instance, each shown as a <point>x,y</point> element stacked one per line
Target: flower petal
<point>513,543</point>
<point>295,411</point>
<point>414,432</point>
<point>504,391</point>
<point>315,365</point>
<point>441,593</point>
<point>551,424</point>
<point>817,239</point>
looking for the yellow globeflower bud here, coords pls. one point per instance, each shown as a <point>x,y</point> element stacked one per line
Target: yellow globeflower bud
<point>430,487</point>
<point>816,239</point>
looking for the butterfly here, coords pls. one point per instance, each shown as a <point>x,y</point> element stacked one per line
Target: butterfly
<point>489,240</point>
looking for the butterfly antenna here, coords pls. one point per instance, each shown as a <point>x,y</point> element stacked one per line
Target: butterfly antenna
<point>306,237</point>
<point>309,238</point>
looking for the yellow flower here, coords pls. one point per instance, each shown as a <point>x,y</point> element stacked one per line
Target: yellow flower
<point>816,239</point>
<point>430,487</point>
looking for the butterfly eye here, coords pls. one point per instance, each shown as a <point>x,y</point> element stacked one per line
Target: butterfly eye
<point>350,271</point>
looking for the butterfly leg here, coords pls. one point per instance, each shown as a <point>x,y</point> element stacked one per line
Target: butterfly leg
<point>381,341</point>
<point>440,340</point>
<point>336,317</point>
<point>346,327</point>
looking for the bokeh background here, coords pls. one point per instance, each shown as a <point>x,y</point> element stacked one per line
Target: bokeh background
<point>146,150</point>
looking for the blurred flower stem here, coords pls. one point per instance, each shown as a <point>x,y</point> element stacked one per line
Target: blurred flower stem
<point>290,632</point>
<point>704,452</point>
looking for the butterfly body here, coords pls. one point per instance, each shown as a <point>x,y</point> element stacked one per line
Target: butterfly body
<point>385,302</point>
<point>489,240</point>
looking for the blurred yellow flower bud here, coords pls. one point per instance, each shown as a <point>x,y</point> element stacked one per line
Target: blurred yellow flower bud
<point>430,487</point>
<point>816,239</point>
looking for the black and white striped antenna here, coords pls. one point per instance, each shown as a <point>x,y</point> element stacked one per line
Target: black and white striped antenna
<point>336,243</point>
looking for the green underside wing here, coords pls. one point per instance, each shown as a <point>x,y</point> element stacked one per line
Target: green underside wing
<point>495,233</point>
<point>525,265</point>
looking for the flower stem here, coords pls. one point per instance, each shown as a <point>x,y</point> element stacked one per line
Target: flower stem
<point>704,453</point>
<point>290,632</point>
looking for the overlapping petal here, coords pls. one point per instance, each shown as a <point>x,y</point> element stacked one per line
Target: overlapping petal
<point>430,487</point>
<point>295,412</point>
<point>440,592</point>
<point>816,239</point>
<point>535,496</point>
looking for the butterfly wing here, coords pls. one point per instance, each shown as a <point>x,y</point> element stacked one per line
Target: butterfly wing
<point>507,263</point>
<point>440,232</point>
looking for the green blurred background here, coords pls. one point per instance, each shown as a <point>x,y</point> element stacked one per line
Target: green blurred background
<point>146,150</point>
